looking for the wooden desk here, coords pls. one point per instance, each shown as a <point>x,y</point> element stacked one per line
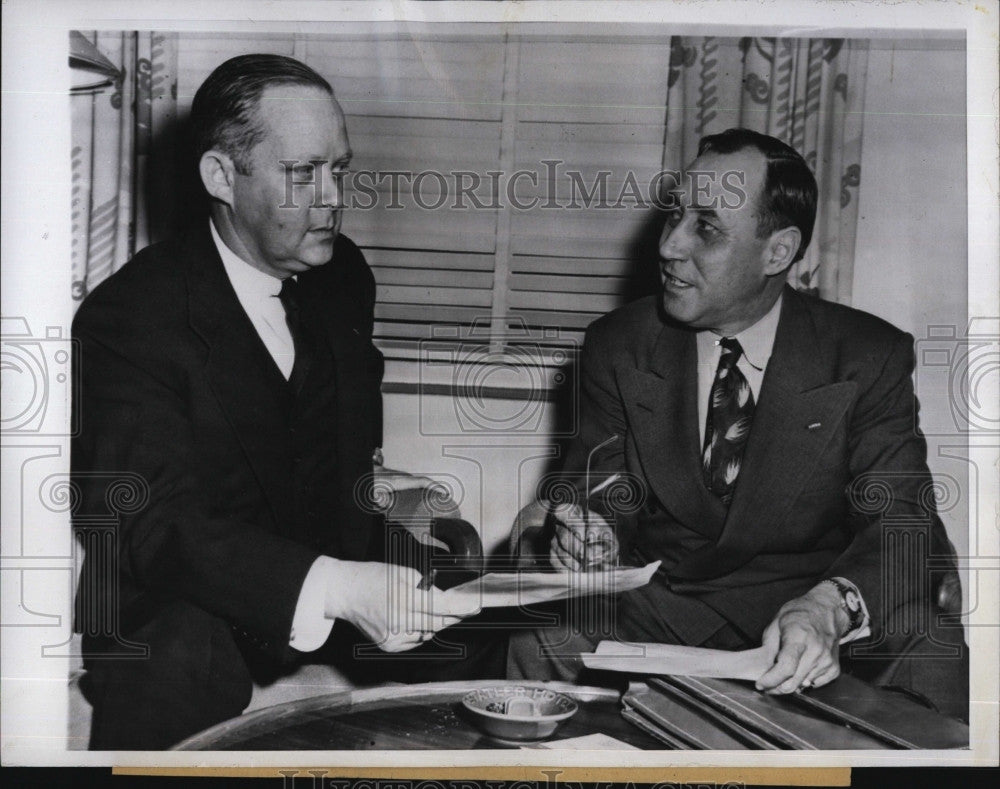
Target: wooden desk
<point>431,717</point>
<point>403,717</point>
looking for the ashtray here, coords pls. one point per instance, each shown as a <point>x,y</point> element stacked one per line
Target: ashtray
<point>516,712</point>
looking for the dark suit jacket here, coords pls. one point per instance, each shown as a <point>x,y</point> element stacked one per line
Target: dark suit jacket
<point>178,390</point>
<point>833,431</point>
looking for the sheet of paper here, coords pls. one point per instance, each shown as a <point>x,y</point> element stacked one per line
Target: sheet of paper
<point>587,742</point>
<point>495,590</point>
<point>644,658</point>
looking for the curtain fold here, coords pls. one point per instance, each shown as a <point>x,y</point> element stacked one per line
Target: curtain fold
<point>807,92</point>
<point>112,169</point>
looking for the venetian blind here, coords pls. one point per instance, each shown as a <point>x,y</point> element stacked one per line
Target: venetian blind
<point>564,108</point>
<point>598,108</point>
<point>420,104</point>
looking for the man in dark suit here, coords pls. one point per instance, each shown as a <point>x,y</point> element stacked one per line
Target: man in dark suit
<point>229,403</point>
<point>770,438</point>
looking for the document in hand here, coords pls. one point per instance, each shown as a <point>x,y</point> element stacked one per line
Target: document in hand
<point>646,658</point>
<point>496,590</point>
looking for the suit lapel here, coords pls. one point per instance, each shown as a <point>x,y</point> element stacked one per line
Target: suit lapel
<point>662,404</point>
<point>797,414</point>
<point>248,385</point>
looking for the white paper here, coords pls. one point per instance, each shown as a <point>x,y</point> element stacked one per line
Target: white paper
<point>496,590</point>
<point>588,742</point>
<point>647,658</point>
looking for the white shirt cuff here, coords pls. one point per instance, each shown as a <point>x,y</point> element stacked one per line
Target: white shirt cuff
<point>310,626</point>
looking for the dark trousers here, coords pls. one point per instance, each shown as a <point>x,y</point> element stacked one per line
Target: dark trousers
<point>193,677</point>
<point>551,649</point>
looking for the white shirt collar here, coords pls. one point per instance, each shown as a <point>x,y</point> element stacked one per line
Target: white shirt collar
<point>757,340</point>
<point>251,284</point>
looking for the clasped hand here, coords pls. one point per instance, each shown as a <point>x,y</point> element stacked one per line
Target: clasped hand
<point>583,540</point>
<point>804,641</point>
<point>384,603</point>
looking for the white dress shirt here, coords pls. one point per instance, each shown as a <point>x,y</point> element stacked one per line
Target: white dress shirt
<point>258,295</point>
<point>757,342</point>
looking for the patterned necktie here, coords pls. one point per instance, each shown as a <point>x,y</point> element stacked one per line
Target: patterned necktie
<point>289,297</point>
<point>730,414</point>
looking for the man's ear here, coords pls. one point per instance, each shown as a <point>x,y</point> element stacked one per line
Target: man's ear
<point>217,174</point>
<point>781,250</point>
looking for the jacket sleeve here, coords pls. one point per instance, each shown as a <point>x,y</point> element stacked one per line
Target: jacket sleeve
<point>891,496</point>
<point>171,540</point>
<point>602,413</point>
<point>602,421</point>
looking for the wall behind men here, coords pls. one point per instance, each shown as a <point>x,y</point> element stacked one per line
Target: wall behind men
<point>911,259</point>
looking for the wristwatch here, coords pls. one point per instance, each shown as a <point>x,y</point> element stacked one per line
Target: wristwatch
<point>850,603</point>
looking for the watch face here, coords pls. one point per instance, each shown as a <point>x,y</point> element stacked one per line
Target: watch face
<point>852,600</point>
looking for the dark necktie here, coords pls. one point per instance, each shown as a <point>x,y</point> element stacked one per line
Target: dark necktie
<point>289,297</point>
<point>730,414</point>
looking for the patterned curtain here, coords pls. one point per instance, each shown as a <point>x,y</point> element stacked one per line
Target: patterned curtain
<point>113,129</point>
<point>807,92</point>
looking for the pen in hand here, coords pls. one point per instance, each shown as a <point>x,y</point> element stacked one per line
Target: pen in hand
<point>609,481</point>
<point>591,544</point>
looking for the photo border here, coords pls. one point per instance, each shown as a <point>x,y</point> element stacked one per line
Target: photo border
<point>35,278</point>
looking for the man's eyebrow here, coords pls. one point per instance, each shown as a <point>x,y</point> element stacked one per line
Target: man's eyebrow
<point>676,202</point>
<point>321,158</point>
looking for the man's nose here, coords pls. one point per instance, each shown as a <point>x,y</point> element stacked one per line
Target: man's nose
<point>331,189</point>
<point>674,241</point>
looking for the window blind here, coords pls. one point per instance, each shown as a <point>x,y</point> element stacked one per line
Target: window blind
<point>419,104</point>
<point>585,115</point>
<point>598,107</point>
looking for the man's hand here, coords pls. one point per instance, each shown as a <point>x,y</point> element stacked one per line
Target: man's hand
<point>383,602</point>
<point>804,639</point>
<point>583,540</point>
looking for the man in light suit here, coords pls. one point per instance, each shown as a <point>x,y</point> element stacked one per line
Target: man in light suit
<point>228,379</point>
<point>771,438</point>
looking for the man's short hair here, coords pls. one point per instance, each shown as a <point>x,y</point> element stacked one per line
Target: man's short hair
<point>788,197</point>
<point>224,114</point>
